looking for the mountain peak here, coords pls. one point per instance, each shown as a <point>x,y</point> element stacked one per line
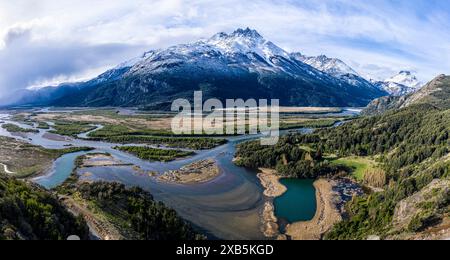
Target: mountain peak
<point>405,72</point>
<point>246,33</point>
<point>238,33</point>
<point>406,78</point>
<point>246,41</point>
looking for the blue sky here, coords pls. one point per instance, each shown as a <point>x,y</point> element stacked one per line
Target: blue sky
<point>45,42</point>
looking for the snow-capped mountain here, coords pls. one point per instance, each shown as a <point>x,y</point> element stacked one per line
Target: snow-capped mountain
<point>403,83</point>
<point>243,49</point>
<point>331,66</point>
<point>241,64</point>
<point>336,68</point>
<point>406,78</point>
<point>435,93</point>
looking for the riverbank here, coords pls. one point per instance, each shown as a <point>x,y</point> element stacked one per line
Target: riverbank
<point>272,189</point>
<point>327,214</point>
<point>271,183</point>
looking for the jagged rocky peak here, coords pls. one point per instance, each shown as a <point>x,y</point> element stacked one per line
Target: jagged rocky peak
<point>228,65</point>
<point>246,41</point>
<point>247,33</point>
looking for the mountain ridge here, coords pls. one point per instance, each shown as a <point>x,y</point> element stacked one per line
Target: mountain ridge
<point>435,93</point>
<point>336,68</point>
<point>241,64</point>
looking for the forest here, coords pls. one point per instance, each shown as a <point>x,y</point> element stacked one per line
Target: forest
<point>410,145</point>
<point>135,209</point>
<point>29,212</point>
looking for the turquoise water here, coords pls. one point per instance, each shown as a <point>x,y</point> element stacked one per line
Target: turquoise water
<point>298,203</point>
<point>61,170</point>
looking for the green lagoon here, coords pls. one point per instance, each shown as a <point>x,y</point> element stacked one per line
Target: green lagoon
<point>298,203</point>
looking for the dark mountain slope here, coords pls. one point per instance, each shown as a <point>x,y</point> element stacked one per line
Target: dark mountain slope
<point>238,65</point>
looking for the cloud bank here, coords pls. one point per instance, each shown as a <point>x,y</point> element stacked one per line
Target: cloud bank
<point>48,42</point>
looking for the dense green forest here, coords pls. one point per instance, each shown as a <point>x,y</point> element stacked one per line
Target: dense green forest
<point>135,209</point>
<point>288,157</point>
<point>28,212</point>
<point>411,145</point>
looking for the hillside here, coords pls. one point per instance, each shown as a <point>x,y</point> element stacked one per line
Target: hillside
<point>403,83</point>
<point>410,145</point>
<point>30,213</point>
<point>413,146</point>
<point>436,93</point>
<point>123,213</point>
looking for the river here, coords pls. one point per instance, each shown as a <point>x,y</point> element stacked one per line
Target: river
<point>228,207</point>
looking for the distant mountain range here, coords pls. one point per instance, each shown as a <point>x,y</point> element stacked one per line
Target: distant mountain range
<point>435,93</point>
<point>338,69</point>
<point>241,64</point>
<point>405,82</point>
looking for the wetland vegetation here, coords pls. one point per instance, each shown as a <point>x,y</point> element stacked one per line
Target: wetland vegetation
<point>154,154</point>
<point>12,128</point>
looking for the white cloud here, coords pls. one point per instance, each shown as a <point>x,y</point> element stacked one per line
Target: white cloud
<point>376,38</point>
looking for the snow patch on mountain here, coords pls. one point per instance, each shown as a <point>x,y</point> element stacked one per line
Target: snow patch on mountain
<point>332,66</point>
<point>406,78</point>
<point>336,68</point>
<point>243,49</point>
<point>403,83</point>
<point>247,41</point>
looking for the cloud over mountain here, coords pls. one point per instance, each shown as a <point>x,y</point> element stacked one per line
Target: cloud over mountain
<point>48,41</point>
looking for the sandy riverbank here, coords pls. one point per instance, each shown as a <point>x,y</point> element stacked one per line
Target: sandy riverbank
<point>271,183</point>
<point>101,160</point>
<point>272,189</point>
<point>327,214</point>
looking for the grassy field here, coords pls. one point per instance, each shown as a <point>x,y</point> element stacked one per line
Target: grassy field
<point>153,154</point>
<point>310,123</point>
<point>37,159</point>
<point>43,125</point>
<point>360,165</point>
<point>71,128</point>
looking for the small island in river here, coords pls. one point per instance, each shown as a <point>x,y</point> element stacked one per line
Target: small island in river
<point>197,172</point>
